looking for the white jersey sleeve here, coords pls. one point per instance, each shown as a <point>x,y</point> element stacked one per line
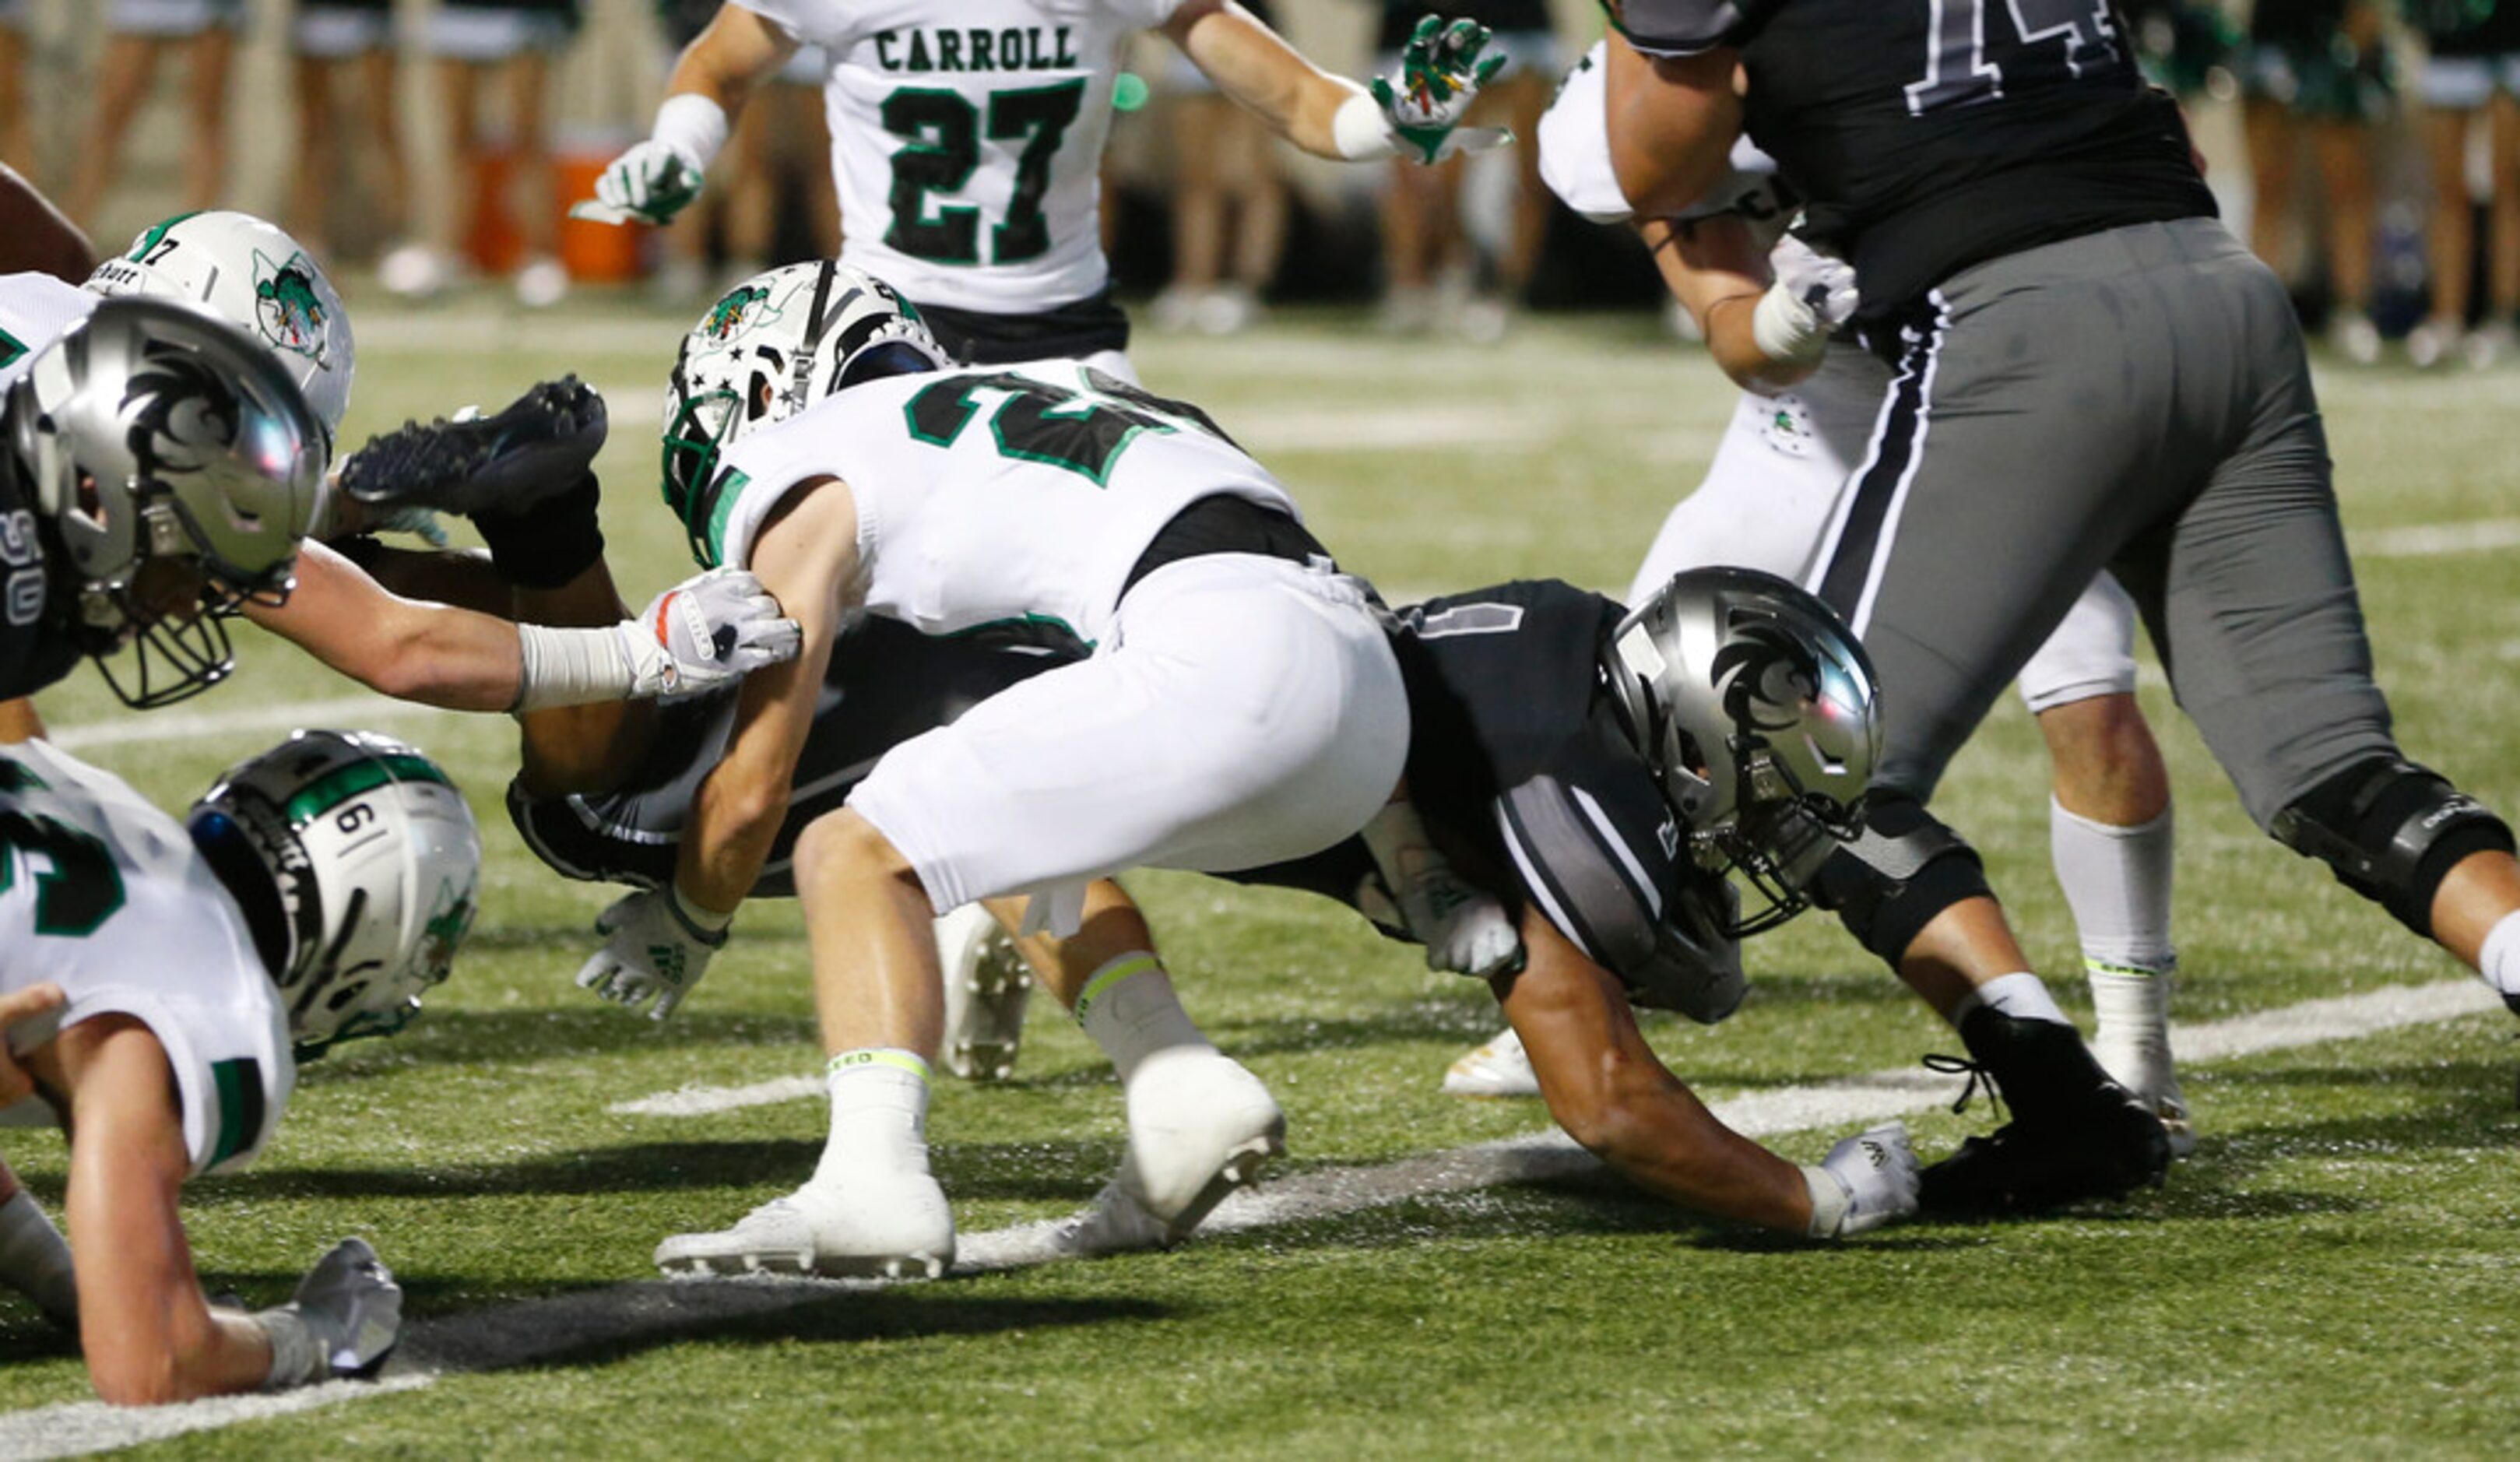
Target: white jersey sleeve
<point>104,896</point>
<point>967,139</point>
<point>35,310</point>
<point>993,496</point>
<point>1575,162</point>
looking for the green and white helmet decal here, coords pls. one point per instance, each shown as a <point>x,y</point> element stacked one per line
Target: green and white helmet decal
<point>767,349</point>
<point>256,277</point>
<point>359,868</point>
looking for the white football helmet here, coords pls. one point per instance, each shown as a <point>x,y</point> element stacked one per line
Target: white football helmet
<point>173,467</point>
<point>243,269</point>
<point>358,867</point>
<point>772,346</point>
<point>1756,707</point>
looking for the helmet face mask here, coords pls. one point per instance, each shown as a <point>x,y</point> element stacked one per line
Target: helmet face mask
<point>173,467</point>
<point>767,349</point>
<point>357,866</point>
<point>1755,706</point>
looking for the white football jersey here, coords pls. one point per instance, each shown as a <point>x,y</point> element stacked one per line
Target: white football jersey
<point>35,310</point>
<point>1575,162</point>
<point>104,896</point>
<point>967,139</point>
<point>992,497</point>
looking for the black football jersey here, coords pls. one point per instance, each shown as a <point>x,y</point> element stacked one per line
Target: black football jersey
<point>33,654</point>
<point>1925,135</point>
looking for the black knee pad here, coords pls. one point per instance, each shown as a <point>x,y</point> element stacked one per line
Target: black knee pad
<point>1890,883</point>
<point>2391,831</point>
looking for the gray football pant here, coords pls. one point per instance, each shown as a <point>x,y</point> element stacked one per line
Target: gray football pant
<point>2138,401</point>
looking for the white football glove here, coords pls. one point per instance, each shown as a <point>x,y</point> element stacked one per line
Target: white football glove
<point>1815,293</point>
<point>344,1320</point>
<point>1466,931</point>
<point>708,631</point>
<point>652,182</point>
<point>657,946</point>
<point>1866,1180</point>
<point>1418,110</point>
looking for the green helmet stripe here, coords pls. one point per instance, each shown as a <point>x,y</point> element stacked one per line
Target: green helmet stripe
<point>340,786</point>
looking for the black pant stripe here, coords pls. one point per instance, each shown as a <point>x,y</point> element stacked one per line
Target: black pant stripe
<point>1898,441</point>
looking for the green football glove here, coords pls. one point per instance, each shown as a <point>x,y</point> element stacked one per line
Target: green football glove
<point>1441,72</point>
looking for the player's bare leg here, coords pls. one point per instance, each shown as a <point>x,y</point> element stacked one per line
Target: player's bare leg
<point>2476,916</point>
<point>1200,1124</point>
<point>872,1207</point>
<point>2110,837</point>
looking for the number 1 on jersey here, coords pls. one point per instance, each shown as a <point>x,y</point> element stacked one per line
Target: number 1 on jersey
<point>943,133</point>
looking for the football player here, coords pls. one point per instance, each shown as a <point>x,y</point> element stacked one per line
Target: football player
<point>2088,372</point>
<point>317,890</point>
<point>577,647</point>
<point>967,141</point>
<point>1604,799</point>
<point>1806,412</point>
<point>1242,707</point>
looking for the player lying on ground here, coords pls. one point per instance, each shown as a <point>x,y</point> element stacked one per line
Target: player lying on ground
<point>318,889</point>
<point>969,172</point>
<point>2090,374</point>
<point>1511,714</point>
<point>254,276</point>
<point>1803,424</point>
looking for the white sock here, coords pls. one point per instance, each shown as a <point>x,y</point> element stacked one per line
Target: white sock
<point>34,1258</point>
<point>2021,994</point>
<point>1129,1008</point>
<point>2117,880</point>
<point>2500,961</point>
<point>879,1114</point>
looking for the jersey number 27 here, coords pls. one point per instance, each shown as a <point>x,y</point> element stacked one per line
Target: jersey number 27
<point>943,130</point>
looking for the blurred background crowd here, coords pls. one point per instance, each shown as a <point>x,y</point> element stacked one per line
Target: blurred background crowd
<point>2367,147</point>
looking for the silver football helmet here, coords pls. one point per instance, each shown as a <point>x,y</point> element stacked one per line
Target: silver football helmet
<point>770,347</point>
<point>173,467</point>
<point>1755,705</point>
<point>254,276</point>
<point>358,867</point>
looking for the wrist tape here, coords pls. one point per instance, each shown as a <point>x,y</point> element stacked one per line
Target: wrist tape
<point>693,125</point>
<point>1360,132</point>
<point>1829,1202</point>
<point>1784,328</point>
<point>296,1355</point>
<point>570,667</point>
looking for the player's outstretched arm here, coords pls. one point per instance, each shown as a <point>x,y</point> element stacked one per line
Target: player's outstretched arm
<point>1414,115</point>
<point>148,1334</point>
<point>658,944</point>
<point>658,178</point>
<point>1768,318</point>
<point>1607,1088</point>
<point>36,236</point>
<point>704,633</point>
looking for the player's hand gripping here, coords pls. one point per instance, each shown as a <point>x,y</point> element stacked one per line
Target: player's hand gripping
<point>708,632</point>
<point>651,182</point>
<point>1441,70</point>
<point>344,1320</point>
<point>656,947</point>
<point>1866,1180</point>
<point>1815,293</point>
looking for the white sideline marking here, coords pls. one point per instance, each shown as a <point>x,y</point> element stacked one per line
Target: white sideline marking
<point>187,725</point>
<point>517,1334</point>
<point>701,1101</point>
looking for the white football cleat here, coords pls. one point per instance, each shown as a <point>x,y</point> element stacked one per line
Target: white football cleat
<point>986,990</point>
<point>893,1226</point>
<point>1499,1068</point>
<point>1199,1126</point>
<point>1114,1222</point>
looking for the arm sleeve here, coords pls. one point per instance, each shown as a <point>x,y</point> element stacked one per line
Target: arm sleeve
<point>807,23</point>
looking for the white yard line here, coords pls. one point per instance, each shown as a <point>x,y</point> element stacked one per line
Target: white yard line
<point>701,1101</point>
<point>517,1334</point>
<point>193,725</point>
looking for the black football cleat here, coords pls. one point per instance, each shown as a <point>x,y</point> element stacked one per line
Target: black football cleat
<point>538,447</point>
<point>2075,1133</point>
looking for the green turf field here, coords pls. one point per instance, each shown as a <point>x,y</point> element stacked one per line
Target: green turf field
<point>2331,1275</point>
